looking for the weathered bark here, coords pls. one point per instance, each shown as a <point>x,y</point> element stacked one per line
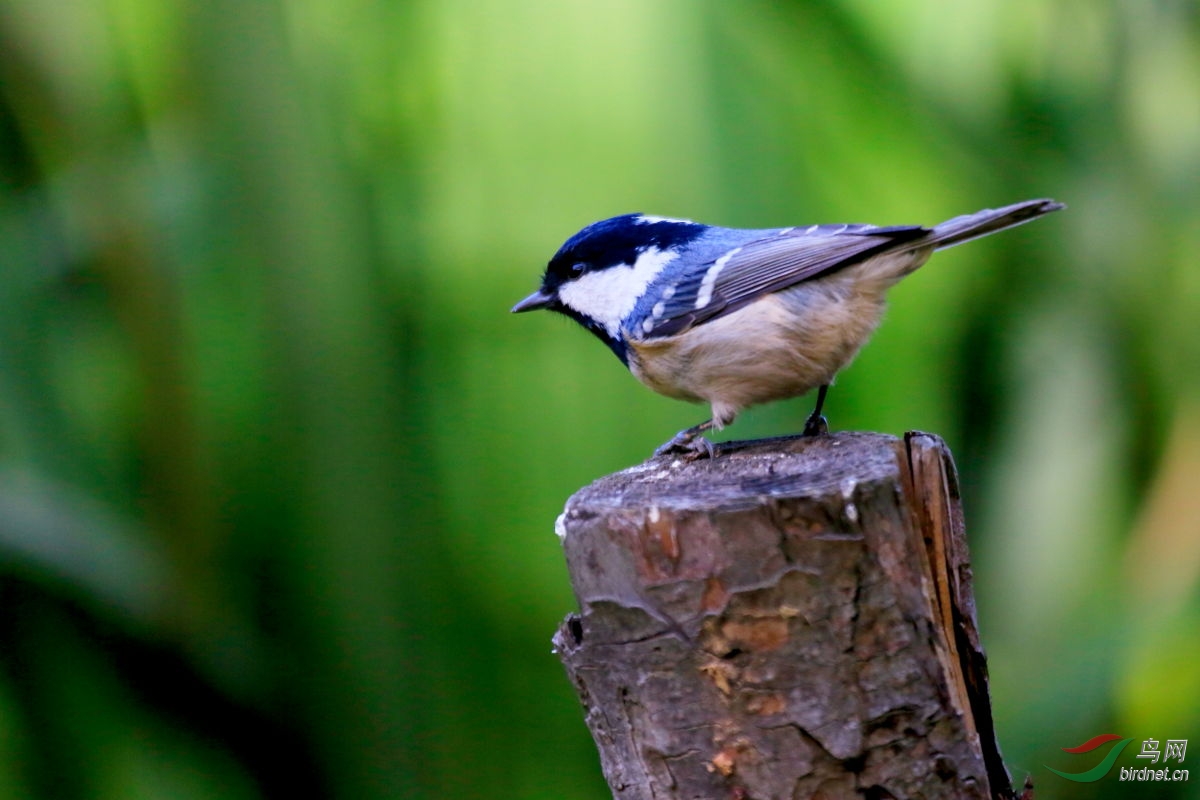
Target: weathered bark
<point>793,619</point>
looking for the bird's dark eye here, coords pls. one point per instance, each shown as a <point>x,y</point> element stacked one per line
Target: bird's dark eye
<point>578,269</point>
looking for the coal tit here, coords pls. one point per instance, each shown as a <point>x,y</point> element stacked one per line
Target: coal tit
<point>735,317</point>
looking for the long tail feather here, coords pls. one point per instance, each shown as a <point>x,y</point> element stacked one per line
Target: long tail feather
<point>981,223</point>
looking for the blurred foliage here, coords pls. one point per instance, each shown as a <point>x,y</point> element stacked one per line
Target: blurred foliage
<point>278,472</point>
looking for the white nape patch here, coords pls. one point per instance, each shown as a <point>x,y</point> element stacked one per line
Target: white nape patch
<point>608,295</point>
<point>710,278</point>
<point>646,219</point>
<point>560,527</point>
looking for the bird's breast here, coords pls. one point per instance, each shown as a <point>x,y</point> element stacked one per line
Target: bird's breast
<point>782,345</point>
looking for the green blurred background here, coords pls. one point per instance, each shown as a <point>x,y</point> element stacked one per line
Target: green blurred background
<point>279,472</point>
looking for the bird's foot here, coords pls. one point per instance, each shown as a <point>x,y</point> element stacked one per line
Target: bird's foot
<point>689,443</point>
<point>816,425</point>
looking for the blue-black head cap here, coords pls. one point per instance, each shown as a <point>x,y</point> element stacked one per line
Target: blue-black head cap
<point>616,241</point>
<point>604,244</point>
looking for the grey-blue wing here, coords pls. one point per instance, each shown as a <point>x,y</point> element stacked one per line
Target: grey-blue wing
<point>762,266</point>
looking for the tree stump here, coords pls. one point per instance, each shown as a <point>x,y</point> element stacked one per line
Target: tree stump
<point>793,619</point>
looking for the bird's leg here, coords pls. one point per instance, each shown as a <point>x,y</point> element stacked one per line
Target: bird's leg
<point>690,442</point>
<point>816,424</point>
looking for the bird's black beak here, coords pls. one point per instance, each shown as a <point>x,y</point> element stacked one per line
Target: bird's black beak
<point>538,299</point>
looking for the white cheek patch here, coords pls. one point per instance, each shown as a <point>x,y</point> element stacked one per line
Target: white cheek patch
<point>710,278</point>
<point>608,295</point>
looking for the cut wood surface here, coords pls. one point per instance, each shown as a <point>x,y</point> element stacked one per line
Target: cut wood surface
<point>793,619</point>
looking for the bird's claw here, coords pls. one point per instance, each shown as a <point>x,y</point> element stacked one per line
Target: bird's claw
<point>816,425</point>
<point>689,444</point>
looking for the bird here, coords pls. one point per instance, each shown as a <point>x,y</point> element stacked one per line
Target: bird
<point>738,317</point>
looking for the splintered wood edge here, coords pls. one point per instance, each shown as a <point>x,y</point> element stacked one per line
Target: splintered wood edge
<point>925,483</point>
<point>931,482</point>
